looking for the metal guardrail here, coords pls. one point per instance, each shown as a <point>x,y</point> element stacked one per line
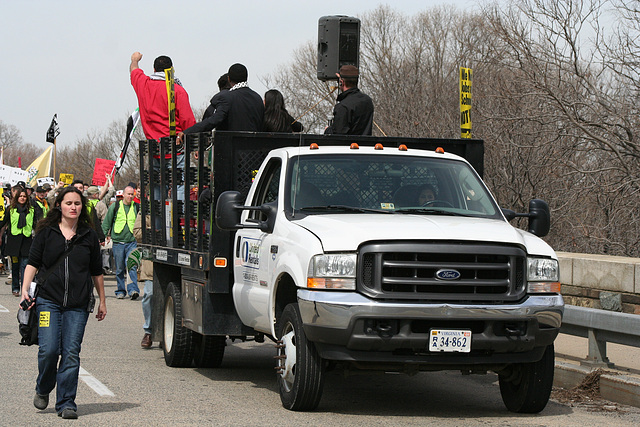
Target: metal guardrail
<point>601,327</point>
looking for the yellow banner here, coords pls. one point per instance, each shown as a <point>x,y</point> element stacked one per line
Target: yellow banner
<point>465,102</point>
<point>171,99</point>
<point>40,167</point>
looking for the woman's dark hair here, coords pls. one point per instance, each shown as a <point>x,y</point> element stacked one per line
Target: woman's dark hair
<point>14,199</point>
<point>276,117</point>
<point>54,216</point>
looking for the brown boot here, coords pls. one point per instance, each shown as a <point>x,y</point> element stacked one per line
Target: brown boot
<point>146,341</point>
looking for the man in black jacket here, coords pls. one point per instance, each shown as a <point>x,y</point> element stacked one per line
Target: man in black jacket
<point>238,109</point>
<point>223,85</point>
<point>353,114</point>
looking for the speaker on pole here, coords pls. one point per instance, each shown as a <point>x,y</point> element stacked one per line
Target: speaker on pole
<point>338,44</point>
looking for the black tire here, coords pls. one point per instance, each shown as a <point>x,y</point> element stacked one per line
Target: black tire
<point>209,350</point>
<point>300,367</point>
<point>527,386</point>
<point>178,341</point>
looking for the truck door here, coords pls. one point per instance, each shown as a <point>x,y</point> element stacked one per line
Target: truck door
<point>255,254</point>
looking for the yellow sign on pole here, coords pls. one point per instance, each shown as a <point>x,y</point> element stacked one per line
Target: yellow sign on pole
<point>465,102</point>
<point>67,178</point>
<point>171,98</point>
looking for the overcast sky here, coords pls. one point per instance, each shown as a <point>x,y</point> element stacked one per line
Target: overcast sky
<point>72,57</point>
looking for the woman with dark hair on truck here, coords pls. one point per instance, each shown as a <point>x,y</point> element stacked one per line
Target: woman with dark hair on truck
<point>64,300</point>
<point>276,116</point>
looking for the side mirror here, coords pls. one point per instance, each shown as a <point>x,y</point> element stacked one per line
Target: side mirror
<point>270,210</point>
<point>228,210</point>
<point>539,217</point>
<point>508,214</point>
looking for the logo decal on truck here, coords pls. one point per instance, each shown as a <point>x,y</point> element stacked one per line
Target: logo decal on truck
<point>448,274</point>
<point>250,259</point>
<point>251,253</point>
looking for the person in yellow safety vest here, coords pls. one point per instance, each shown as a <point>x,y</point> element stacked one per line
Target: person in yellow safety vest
<point>101,207</point>
<point>119,221</point>
<point>2,267</point>
<point>40,204</point>
<point>92,200</point>
<point>20,220</point>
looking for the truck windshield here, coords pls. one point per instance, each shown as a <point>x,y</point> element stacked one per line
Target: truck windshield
<point>337,183</point>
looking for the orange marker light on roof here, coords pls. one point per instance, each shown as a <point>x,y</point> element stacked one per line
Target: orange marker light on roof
<point>402,147</point>
<point>313,146</point>
<point>440,150</point>
<point>378,146</point>
<point>354,146</point>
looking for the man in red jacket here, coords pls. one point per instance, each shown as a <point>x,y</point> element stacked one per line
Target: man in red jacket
<point>152,98</point>
<point>154,108</point>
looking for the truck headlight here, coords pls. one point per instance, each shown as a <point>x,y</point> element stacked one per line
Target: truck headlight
<point>332,271</point>
<point>543,276</point>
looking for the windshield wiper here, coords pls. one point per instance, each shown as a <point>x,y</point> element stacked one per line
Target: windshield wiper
<point>431,211</point>
<point>344,208</point>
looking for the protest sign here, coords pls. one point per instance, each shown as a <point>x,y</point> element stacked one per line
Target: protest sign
<point>67,178</point>
<point>100,170</point>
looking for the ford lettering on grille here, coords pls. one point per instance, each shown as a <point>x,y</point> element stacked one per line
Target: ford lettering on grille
<point>446,274</point>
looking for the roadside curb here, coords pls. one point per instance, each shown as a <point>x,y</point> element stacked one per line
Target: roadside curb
<point>615,386</point>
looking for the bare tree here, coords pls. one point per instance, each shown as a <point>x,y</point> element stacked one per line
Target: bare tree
<point>306,97</point>
<point>25,152</point>
<point>9,135</point>
<point>80,159</point>
<point>576,78</point>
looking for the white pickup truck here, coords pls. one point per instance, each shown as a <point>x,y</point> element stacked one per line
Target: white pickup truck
<point>361,253</point>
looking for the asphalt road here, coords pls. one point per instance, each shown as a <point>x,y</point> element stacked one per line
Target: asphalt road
<point>126,385</point>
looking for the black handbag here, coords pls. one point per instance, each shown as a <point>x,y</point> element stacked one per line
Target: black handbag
<point>28,319</point>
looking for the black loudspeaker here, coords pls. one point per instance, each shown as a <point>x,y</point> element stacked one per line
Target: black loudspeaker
<point>338,44</point>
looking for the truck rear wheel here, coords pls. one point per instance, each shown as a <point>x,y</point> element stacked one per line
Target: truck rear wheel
<point>178,342</point>
<point>299,366</point>
<point>209,350</point>
<point>527,386</point>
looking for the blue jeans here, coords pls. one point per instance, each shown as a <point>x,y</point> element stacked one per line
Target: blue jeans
<point>18,263</point>
<point>146,305</point>
<point>60,335</point>
<point>121,252</point>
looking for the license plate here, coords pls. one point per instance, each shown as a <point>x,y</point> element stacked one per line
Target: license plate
<point>450,341</point>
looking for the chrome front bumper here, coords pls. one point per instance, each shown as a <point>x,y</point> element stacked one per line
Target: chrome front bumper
<point>337,321</point>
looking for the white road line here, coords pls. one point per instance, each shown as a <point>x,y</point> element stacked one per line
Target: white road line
<point>93,382</point>
<point>3,309</point>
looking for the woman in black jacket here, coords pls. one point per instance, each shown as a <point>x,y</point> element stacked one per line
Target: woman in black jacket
<point>63,299</point>
<point>276,116</point>
<point>20,221</point>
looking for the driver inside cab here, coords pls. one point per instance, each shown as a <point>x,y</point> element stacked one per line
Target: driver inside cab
<point>427,194</point>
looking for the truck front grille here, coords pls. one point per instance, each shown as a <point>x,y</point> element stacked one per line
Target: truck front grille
<point>442,272</point>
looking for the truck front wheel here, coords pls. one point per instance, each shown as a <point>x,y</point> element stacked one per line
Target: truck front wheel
<point>299,366</point>
<point>526,387</point>
<point>178,341</point>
